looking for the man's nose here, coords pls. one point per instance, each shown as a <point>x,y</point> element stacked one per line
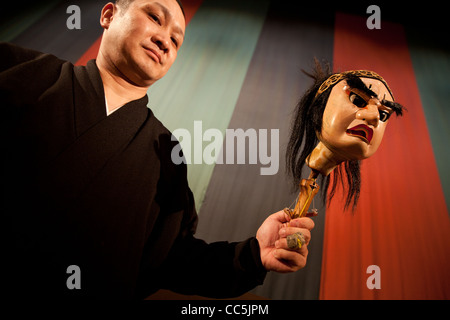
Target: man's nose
<point>370,113</point>
<point>161,41</point>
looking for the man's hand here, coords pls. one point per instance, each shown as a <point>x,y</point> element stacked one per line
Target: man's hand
<point>275,254</point>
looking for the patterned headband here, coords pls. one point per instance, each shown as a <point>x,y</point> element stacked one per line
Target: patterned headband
<point>335,78</point>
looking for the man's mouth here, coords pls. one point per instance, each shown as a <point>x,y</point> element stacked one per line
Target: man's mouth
<point>361,131</point>
<point>153,54</point>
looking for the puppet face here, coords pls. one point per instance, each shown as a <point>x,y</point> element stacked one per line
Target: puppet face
<point>142,40</point>
<point>355,118</point>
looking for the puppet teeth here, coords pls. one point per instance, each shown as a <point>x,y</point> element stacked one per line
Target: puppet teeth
<point>361,131</point>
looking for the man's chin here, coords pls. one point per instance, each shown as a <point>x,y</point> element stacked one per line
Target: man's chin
<point>142,75</point>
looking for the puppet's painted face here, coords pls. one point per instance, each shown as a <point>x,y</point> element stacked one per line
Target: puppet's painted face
<point>355,118</point>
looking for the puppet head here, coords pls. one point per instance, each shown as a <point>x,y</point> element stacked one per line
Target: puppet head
<point>340,121</point>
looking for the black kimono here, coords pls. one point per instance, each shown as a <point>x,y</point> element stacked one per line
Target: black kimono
<point>99,192</point>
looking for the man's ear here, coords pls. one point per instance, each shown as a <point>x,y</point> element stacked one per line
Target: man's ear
<point>107,14</point>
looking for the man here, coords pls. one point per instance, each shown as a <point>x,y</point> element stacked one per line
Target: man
<point>94,206</point>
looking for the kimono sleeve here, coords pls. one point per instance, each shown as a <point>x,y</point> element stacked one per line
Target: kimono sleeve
<point>216,270</point>
<point>26,75</point>
<point>13,55</point>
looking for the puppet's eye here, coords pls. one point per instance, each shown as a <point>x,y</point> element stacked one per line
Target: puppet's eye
<point>384,116</point>
<point>357,100</point>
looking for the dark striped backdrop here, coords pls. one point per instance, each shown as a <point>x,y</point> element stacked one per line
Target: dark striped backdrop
<point>240,67</point>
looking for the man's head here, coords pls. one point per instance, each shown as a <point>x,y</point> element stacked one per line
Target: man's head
<point>141,38</point>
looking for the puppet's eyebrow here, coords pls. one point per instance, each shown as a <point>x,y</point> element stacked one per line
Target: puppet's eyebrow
<point>395,106</point>
<point>357,83</point>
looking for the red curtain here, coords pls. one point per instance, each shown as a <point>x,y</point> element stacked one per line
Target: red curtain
<point>401,223</point>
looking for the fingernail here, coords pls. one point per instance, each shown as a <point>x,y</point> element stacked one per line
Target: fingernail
<point>282,232</point>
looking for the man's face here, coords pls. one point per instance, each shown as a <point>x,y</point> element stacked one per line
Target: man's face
<point>354,119</point>
<point>142,40</point>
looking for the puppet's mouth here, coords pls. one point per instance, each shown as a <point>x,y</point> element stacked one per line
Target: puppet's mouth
<point>361,131</point>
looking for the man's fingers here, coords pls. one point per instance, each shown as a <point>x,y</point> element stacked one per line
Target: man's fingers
<point>282,216</point>
<point>293,260</point>
<point>306,223</point>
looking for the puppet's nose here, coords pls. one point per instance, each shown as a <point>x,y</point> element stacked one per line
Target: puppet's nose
<point>370,113</point>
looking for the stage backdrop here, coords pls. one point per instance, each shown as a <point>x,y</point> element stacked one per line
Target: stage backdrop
<point>240,68</point>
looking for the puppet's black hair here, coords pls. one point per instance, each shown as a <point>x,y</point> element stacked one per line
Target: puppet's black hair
<point>303,139</point>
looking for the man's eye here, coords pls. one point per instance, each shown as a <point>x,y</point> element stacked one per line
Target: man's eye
<point>357,100</point>
<point>384,116</point>
<point>154,17</point>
